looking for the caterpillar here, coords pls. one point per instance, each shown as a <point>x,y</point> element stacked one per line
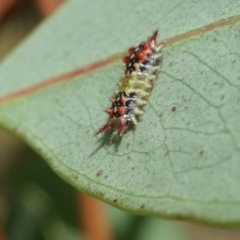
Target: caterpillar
<point>142,66</point>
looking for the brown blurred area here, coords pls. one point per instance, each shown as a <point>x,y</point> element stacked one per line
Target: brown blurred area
<point>44,7</point>
<point>17,19</point>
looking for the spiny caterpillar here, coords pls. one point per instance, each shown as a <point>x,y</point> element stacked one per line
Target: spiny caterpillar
<point>142,66</point>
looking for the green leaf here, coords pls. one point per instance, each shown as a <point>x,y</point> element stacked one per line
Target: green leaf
<point>183,159</point>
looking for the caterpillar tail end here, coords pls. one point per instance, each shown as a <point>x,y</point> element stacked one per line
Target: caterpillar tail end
<point>103,128</point>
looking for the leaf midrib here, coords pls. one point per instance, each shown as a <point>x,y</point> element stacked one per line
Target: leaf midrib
<point>64,77</point>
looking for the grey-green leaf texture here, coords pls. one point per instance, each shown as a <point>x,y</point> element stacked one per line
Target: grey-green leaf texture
<point>183,159</point>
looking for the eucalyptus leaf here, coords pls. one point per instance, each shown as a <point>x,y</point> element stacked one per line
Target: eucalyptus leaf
<point>182,161</point>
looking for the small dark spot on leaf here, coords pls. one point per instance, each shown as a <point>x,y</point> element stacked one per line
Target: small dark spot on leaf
<point>99,173</point>
<point>186,108</point>
<point>115,200</point>
<point>201,152</point>
<point>15,130</point>
<point>174,109</point>
<point>222,97</point>
<point>132,168</point>
<point>142,206</point>
<point>179,217</point>
<point>129,158</point>
<point>74,176</point>
<point>106,176</point>
<point>188,123</point>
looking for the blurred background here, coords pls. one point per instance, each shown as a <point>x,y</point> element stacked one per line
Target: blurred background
<point>35,204</point>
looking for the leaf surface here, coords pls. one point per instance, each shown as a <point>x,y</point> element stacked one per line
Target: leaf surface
<point>183,159</point>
